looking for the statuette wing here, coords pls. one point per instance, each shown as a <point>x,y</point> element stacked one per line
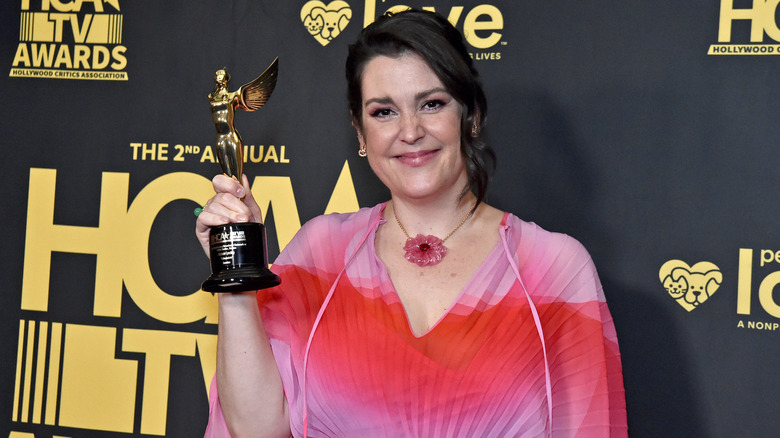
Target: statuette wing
<point>255,94</point>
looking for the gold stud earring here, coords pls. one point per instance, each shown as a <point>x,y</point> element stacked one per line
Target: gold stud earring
<point>474,131</point>
<point>362,151</point>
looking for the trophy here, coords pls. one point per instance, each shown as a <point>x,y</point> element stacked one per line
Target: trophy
<point>239,260</point>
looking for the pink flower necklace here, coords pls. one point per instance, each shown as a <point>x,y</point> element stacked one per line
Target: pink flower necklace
<point>428,250</point>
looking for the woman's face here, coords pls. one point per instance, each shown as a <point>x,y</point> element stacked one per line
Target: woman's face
<point>411,128</point>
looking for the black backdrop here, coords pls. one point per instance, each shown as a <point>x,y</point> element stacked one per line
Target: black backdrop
<point>644,129</point>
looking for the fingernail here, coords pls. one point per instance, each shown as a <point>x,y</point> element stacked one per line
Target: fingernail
<point>242,218</point>
<point>240,192</point>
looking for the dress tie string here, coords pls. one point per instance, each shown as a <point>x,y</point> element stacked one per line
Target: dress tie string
<point>537,322</point>
<point>319,318</point>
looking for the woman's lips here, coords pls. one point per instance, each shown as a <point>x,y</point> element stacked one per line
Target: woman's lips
<point>417,158</point>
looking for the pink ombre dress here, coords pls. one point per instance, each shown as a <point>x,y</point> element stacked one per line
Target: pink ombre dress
<point>497,364</point>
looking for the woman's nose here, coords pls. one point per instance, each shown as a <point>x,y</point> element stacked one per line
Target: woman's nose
<point>411,129</point>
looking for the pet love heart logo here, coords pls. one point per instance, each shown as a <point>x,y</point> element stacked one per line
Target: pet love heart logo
<point>690,286</point>
<point>323,22</point>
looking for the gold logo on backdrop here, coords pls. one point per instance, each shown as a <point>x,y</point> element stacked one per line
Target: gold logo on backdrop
<point>690,286</point>
<point>325,22</point>
<point>762,20</point>
<point>70,40</point>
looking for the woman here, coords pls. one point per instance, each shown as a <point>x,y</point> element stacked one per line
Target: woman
<point>430,315</point>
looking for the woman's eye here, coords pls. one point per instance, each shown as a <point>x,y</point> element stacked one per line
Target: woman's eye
<point>381,112</point>
<point>433,104</point>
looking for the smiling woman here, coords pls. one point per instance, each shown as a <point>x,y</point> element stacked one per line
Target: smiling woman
<point>432,314</point>
<point>410,126</point>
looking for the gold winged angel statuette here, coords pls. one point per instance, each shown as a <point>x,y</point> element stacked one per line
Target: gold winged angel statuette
<point>248,97</point>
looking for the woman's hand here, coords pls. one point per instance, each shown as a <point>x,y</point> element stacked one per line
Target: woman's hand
<point>227,207</point>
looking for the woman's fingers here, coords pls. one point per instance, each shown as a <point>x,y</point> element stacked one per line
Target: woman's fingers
<point>228,206</point>
<point>233,202</point>
<point>224,184</point>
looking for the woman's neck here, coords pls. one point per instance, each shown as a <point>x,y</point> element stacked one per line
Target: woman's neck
<point>437,217</point>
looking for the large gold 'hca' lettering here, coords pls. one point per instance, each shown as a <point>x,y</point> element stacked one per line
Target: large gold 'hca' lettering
<point>121,241</point>
<point>761,16</point>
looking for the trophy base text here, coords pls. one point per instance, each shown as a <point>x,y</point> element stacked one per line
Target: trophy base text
<point>238,259</point>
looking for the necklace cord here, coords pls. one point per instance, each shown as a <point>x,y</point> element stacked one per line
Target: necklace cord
<point>471,212</point>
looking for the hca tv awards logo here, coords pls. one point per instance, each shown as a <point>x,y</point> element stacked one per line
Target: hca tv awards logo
<point>692,286</point>
<point>760,18</point>
<point>70,40</point>
<point>482,25</point>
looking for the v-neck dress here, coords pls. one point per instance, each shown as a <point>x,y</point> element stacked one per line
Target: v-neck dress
<point>340,335</point>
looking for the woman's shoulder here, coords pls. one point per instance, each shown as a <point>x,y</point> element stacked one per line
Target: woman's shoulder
<point>328,233</point>
<point>553,264</point>
<point>342,222</point>
<point>531,237</point>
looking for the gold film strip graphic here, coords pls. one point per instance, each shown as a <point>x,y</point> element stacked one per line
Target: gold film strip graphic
<point>80,376</point>
<point>92,29</point>
<point>26,26</point>
<point>68,375</point>
<point>38,360</point>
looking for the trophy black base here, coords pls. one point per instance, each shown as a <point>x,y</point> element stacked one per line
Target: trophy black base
<point>240,280</point>
<point>238,259</point>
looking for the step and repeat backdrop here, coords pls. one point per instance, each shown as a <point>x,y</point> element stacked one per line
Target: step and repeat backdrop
<point>650,131</point>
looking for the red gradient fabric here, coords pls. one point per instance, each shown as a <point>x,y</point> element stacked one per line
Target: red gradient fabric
<point>478,372</point>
